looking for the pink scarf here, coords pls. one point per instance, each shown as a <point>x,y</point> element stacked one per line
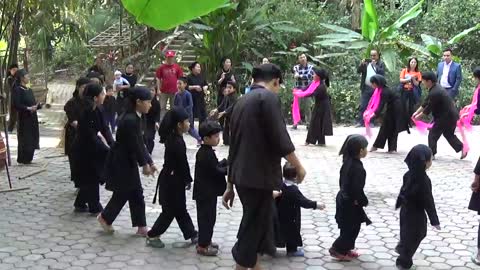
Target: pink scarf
<point>466,116</point>
<point>422,127</point>
<point>371,108</point>
<point>297,93</point>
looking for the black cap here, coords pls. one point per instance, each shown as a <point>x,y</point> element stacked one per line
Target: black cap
<point>140,92</point>
<point>208,128</point>
<point>266,73</point>
<point>92,90</point>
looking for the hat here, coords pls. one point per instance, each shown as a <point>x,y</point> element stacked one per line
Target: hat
<point>170,54</point>
<point>208,128</point>
<point>117,72</point>
<point>140,92</point>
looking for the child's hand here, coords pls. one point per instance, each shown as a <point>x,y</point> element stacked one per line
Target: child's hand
<point>320,206</point>
<point>437,227</point>
<point>276,194</point>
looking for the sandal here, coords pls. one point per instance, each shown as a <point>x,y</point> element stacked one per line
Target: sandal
<point>338,256</point>
<point>155,242</point>
<point>208,251</point>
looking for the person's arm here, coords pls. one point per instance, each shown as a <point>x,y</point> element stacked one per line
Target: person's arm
<point>158,78</point>
<point>17,101</point>
<point>204,85</point>
<point>380,68</point>
<point>189,102</point>
<point>135,142</point>
<point>362,67</point>
<point>228,111</point>
<point>182,169</point>
<point>429,203</point>
<point>357,184</point>
<point>402,76</point>
<point>458,79</point>
<point>303,201</point>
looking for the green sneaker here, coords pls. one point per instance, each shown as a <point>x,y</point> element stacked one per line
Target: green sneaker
<point>155,242</point>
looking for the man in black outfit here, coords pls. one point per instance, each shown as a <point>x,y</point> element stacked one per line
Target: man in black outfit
<point>445,115</point>
<point>259,140</point>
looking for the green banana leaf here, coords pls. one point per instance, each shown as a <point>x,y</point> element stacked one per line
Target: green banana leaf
<point>164,15</point>
<point>339,29</point>
<point>390,57</point>
<point>369,20</point>
<point>433,44</point>
<point>409,15</point>
<point>463,34</point>
<point>416,47</point>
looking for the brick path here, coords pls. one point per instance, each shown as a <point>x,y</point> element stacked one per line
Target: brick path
<point>38,229</point>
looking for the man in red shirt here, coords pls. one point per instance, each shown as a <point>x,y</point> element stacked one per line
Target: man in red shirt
<point>167,75</point>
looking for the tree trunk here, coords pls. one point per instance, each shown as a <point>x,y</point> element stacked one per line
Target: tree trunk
<point>15,36</point>
<point>356,14</point>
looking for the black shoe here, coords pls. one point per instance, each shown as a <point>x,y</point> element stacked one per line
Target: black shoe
<point>80,209</point>
<point>294,127</point>
<point>359,125</point>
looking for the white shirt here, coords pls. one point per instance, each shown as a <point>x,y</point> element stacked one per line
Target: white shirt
<point>444,80</point>
<point>370,73</point>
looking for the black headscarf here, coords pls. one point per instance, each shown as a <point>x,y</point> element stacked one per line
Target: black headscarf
<point>379,80</point>
<point>352,146</point>
<point>168,126</point>
<point>323,74</point>
<point>416,161</point>
<point>81,81</point>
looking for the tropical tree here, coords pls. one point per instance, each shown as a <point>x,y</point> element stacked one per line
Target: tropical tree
<point>387,39</point>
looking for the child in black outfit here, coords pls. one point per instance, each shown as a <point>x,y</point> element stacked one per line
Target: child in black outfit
<point>109,108</point>
<point>152,122</point>
<point>289,213</point>
<point>350,199</point>
<point>415,199</point>
<point>174,179</point>
<point>209,183</point>
<point>225,109</point>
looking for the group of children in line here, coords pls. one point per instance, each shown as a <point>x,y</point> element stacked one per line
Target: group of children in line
<point>96,158</point>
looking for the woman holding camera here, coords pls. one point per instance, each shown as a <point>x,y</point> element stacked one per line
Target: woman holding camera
<point>410,79</point>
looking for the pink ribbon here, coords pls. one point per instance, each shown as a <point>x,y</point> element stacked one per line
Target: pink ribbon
<point>466,117</point>
<point>297,94</point>
<point>369,113</point>
<point>422,127</point>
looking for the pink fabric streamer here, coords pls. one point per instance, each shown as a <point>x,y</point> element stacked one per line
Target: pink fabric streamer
<point>297,94</point>
<point>373,104</point>
<point>466,117</point>
<point>422,127</point>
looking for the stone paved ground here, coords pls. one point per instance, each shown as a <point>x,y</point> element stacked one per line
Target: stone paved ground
<point>38,229</point>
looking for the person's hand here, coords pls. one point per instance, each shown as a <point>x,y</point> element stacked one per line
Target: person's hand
<point>300,174</point>
<point>99,135</point>
<point>188,186</point>
<point>228,197</point>
<point>373,62</point>
<point>276,194</point>
<point>476,183</point>
<point>417,115</point>
<point>153,168</point>
<point>147,170</point>
<point>320,206</point>
<point>296,76</point>
<point>213,112</point>
<point>157,126</point>
<point>364,62</point>
<point>220,115</point>
<point>437,227</point>
<point>74,124</point>
<point>223,76</point>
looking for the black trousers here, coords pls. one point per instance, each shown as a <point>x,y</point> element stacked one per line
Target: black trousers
<point>149,143</point>
<point>387,133</point>
<point>226,130</point>
<point>174,207</point>
<point>199,108</point>
<point>412,232</point>
<point>25,156</point>
<point>89,195</point>
<point>408,101</point>
<point>206,218</point>
<point>255,235</point>
<point>136,203</point>
<point>12,121</point>
<point>447,129</point>
<point>346,241</point>
<point>478,239</point>
<point>364,99</point>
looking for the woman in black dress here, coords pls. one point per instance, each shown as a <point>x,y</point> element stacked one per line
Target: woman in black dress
<point>321,121</point>
<point>394,120</point>
<point>197,85</point>
<point>130,75</point>
<point>74,110</point>
<point>223,76</point>
<point>28,135</point>
<point>89,150</point>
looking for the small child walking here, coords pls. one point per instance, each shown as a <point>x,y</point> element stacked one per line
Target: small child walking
<point>225,109</point>
<point>414,200</point>
<point>209,183</point>
<point>173,180</point>
<point>109,108</point>
<point>183,99</point>
<point>289,214</point>
<point>351,198</point>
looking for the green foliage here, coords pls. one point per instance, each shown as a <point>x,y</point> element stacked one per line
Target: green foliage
<point>73,56</point>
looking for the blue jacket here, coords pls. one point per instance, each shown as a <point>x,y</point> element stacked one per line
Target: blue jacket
<point>454,75</point>
<point>184,100</point>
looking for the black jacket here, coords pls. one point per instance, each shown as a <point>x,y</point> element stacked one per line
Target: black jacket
<point>440,105</point>
<point>127,153</point>
<point>74,110</point>
<point>209,174</point>
<point>88,150</point>
<point>152,117</point>
<point>362,68</point>
<point>394,111</point>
